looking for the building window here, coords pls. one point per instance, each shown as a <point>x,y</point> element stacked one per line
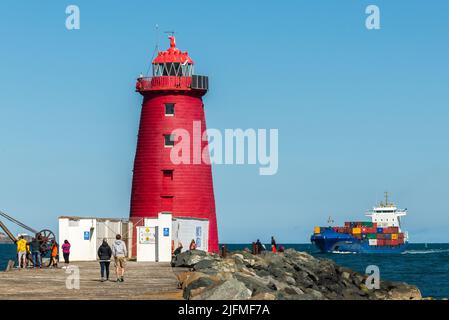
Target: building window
<point>169,109</point>
<point>169,140</point>
<point>168,174</point>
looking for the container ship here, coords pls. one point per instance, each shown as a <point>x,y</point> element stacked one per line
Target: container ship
<point>383,234</point>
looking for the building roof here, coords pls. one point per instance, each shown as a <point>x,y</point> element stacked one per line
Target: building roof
<point>172,54</point>
<point>101,219</point>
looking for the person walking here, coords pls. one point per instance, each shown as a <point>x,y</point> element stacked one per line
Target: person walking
<point>21,252</point>
<point>104,254</point>
<point>53,254</point>
<point>273,245</point>
<point>35,248</point>
<point>119,252</point>
<point>66,251</point>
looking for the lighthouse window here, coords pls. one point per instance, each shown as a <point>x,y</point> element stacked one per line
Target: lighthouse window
<point>168,174</point>
<point>158,69</point>
<point>169,109</point>
<point>187,69</point>
<point>169,140</point>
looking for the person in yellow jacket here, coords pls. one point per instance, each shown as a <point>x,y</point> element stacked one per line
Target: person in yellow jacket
<point>21,252</point>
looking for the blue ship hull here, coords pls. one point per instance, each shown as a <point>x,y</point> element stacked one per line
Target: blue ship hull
<point>329,241</point>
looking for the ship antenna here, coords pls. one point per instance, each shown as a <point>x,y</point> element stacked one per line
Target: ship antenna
<point>386,198</point>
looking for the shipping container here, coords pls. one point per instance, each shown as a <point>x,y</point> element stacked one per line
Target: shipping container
<point>394,236</point>
<point>367,224</point>
<point>371,236</point>
<point>316,230</point>
<point>356,230</point>
<point>372,242</point>
<point>380,230</point>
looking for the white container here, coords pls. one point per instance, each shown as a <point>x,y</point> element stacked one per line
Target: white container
<point>372,242</point>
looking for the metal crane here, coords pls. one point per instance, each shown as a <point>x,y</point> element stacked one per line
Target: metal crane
<point>45,236</point>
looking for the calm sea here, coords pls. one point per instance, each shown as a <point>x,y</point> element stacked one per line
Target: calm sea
<point>424,265</point>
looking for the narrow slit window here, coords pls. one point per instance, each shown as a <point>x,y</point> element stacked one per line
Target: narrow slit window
<point>169,140</point>
<point>169,109</point>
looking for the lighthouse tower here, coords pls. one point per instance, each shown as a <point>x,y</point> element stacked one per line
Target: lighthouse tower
<point>172,99</point>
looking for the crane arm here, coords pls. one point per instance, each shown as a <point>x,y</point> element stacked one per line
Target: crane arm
<point>8,233</point>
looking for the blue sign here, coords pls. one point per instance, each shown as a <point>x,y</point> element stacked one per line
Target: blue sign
<point>86,235</point>
<point>166,232</point>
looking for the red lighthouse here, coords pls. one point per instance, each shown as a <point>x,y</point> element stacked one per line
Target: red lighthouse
<point>172,99</point>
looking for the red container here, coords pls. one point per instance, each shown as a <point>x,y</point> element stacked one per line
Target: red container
<point>400,236</point>
<point>394,242</point>
<point>364,230</point>
<point>380,242</point>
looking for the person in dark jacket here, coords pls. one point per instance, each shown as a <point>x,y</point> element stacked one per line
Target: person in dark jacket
<point>259,246</point>
<point>178,249</point>
<point>104,253</point>
<point>35,247</point>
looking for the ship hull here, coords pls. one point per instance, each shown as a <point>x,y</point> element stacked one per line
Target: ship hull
<point>333,242</point>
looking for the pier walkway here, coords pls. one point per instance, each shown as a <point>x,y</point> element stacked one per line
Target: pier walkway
<point>143,280</point>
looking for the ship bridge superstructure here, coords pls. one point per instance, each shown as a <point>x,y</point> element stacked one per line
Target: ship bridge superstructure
<point>387,214</point>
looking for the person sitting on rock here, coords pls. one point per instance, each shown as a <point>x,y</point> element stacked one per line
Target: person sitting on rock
<point>178,249</point>
<point>192,245</point>
<point>281,248</point>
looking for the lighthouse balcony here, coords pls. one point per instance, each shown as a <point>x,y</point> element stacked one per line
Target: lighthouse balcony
<point>195,82</point>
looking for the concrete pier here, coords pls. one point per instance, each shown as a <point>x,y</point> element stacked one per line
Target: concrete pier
<point>143,280</point>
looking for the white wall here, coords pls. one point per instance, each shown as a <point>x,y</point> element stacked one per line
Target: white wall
<point>147,248</point>
<point>163,243</point>
<point>184,230</point>
<point>86,250</point>
<point>73,231</point>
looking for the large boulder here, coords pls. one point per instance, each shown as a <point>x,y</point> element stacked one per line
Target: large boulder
<point>289,275</point>
<point>231,289</point>
<point>190,258</point>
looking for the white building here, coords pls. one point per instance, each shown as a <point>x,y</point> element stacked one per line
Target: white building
<point>149,239</point>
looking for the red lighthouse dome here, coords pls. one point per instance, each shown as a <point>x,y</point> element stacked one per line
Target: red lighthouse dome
<point>172,99</point>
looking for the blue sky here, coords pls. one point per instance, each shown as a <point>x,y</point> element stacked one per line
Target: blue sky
<point>358,111</point>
